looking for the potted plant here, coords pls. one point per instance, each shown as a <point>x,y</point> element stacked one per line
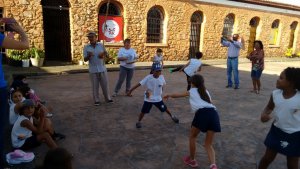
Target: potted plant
<point>112,57</point>
<point>37,57</point>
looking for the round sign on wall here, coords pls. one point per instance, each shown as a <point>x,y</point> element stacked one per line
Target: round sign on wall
<point>110,29</point>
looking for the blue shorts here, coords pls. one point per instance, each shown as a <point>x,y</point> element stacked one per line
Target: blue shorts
<point>282,142</point>
<point>207,119</point>
<point>256,73</point>
<point>148,105</point>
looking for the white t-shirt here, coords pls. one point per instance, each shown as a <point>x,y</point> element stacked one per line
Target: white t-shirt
<point>196,101</point>
<point>130,54</point>
<point>286,112</point>
<point>18,130</point>
<point>193,67</point>
<point>154,87</point>
<point>157,59</point>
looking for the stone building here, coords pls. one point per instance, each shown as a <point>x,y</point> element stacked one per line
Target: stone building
<point>179,27</point>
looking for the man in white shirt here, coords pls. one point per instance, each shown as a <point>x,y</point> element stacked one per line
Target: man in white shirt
<point>95,53</point>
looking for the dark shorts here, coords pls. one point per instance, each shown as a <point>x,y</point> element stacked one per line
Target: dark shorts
<point>148,105</point>
<point>30,143</point>
<point>207,119</point>
<point>283,143</point>
<point>256,73</point>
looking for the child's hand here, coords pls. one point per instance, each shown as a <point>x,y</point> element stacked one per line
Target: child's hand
<point>265,117</point>
<point>21,137</point>
<point>129,93</point>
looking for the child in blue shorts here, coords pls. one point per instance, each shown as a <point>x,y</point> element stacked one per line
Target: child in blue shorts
<point>154,84</point>
<point>257,59</point>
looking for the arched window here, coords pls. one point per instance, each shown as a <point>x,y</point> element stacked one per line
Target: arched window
<point>228,25</point>
<point>196,21</point>
<point>113,10</point>
<point>293,27</point>
<point>274,32</point>
<point>155,20</point>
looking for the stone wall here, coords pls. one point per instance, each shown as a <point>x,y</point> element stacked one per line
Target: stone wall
<point>177,14</point>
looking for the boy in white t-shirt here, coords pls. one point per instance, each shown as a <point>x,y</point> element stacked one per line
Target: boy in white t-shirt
<point>154,84</point>
<point>158,58</point>
<point>190,68</point>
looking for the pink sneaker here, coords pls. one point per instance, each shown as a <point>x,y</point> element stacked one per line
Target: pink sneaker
<point>213,166</point>
<point>188,161</point>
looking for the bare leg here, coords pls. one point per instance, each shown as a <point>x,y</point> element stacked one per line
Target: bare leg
<point>209,148</point>
<point>168,112</point>
<point>267,159</point>
<point>48,126</point>
<point>46,138</point>
<point>292,162</point>
<point>258,85</point>
<point>254,84</point>
<point>141,116</point>
<point>193,136</point>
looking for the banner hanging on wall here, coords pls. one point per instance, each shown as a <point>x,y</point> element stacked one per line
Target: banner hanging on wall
<point>110,28</point>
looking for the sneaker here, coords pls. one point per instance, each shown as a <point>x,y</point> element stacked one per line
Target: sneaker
<point>49,114</point>
<point>175,119</point>
<point>236,87</point>
<point>188,161</point>
<point>213,166</point>
<point>110,101</point>
<point>228,86</point>
<point>115,94</point>
<point>170,70</point>
<point>138,125</point>
<point>96,103</point>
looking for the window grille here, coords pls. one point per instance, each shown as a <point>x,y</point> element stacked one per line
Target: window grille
<point>154,26</point>
<point>293,26</point>
<point>228,25</point>
<point>196,21</point>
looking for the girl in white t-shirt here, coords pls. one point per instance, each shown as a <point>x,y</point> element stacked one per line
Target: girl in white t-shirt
<point>284,135</point>
<point>16,102</point>
<point>25,135</point>
<point>206,120</point>
<point>190,68</point>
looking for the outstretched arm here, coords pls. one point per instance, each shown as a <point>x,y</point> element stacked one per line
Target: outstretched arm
<point>133,88</point>
<point>21,44</point>
<point>177,95</point>
<point>265,116</point>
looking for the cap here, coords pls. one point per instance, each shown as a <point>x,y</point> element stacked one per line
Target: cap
<point>28,103</point>
<point>91,34</point>
<point>156,67</point>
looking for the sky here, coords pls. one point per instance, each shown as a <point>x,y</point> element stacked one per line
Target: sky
<point>291,2</point>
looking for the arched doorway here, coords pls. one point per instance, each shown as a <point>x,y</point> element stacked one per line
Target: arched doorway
<point>252,37</point>
<point>196,21</point>
<point>57,38</point>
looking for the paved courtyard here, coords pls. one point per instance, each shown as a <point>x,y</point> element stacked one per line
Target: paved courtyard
<point>105,137</point>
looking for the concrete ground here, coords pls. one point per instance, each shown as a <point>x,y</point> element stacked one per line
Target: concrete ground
<point>105,137</point>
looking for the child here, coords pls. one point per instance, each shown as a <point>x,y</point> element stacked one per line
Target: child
<point>190,68</point>
<point>154,83</point>
<point>257,58</point>
<point>284,135</point>
<point>158,58</point>
<point>17,99</point>
<point>206,120</point>
<point>24,134</point>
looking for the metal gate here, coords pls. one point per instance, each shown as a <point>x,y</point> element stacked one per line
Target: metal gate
<point>57,37</point>
<point>196,21</point>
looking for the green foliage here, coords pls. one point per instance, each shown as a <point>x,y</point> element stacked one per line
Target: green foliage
<point>112,55</point>
<point>17,54</point>
<point>25,54</point>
